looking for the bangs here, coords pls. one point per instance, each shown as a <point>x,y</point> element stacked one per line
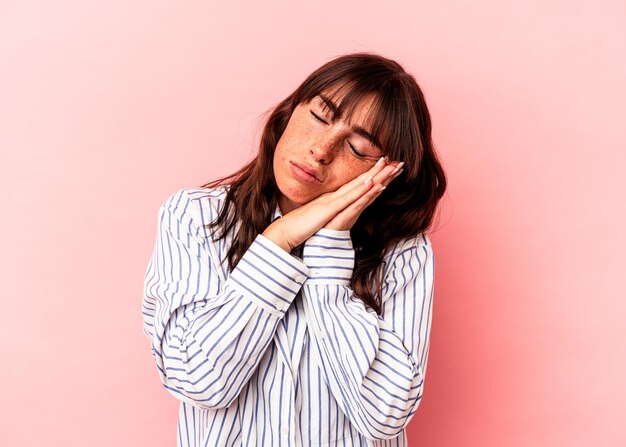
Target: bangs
<point>387,119</point>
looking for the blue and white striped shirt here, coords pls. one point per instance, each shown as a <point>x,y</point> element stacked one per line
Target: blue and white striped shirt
<point>280,352</point>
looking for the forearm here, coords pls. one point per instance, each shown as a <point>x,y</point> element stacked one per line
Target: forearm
<point>207,350</point>
<point>209,360</point>
<point>373,377</point>
<point>373,364</point>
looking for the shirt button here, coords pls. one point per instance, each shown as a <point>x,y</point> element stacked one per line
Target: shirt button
<point>285,429</point>
<point>251,362</point>
<point>300,278</point>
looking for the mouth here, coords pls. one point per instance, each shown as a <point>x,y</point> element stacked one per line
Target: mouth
<point>306,173</point>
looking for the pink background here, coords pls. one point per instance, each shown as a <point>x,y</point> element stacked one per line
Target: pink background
<point>106,108</point>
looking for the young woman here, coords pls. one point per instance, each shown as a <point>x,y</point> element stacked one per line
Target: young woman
<point>290,303</point>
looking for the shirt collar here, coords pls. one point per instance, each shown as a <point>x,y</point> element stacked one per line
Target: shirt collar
<point>277,213</point>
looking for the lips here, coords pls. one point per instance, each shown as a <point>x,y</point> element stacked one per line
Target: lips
<point>306,172</point>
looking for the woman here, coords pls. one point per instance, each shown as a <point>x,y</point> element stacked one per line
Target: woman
<point>290,303</point>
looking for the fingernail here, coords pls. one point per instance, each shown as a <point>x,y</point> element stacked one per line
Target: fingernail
<point>396,174</point>
<point>380,161</point>
<point>367,180</point>
<point>398,167</point>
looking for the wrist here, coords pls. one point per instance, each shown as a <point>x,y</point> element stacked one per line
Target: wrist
<point>275,236</point>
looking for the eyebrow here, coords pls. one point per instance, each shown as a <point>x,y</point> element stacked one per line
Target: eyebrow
<point>356,129</point>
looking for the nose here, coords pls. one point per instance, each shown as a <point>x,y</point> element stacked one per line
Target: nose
<point>324,149</point>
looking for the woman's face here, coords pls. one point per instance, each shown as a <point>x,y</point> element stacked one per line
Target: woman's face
<point>316,155</point>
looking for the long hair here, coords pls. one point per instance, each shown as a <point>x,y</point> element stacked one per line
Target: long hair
<point>401,123</point>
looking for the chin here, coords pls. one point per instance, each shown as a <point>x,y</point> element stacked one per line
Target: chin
<point>293,201</point>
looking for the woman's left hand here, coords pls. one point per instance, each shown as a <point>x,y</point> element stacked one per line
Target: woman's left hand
<point>345,219</point>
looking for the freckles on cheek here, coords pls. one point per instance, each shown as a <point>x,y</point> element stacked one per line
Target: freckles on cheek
<point>355,167</point>
<point>349,170</point>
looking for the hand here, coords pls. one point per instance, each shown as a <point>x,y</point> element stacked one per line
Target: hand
<point>336,210</point>
<point>347,217</point>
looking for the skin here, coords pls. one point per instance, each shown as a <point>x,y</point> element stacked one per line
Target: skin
<point>349,172</point>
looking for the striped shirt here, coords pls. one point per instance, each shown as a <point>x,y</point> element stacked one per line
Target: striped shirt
<point>279,351</point>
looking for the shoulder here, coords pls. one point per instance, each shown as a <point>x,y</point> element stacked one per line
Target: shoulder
<point>192,210</point>
<point>416,247</point>
<point>200,205</point>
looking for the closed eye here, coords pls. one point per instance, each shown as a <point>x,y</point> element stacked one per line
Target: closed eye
<point>318,117</point>
<point>357,153</point>
<point>352,148</point>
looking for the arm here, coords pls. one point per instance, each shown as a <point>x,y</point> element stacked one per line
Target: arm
<point>208,332</point>
<point>374,365</point>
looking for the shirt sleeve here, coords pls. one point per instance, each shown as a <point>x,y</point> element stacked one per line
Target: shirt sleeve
<point>373,364</point>
<point>208,332</point>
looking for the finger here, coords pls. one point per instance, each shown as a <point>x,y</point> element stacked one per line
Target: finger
<point>355,188</point>
<point>388,173</point>
<point>340,200</point>
<point>394,175</point>
<point>366,177</point>
<point>366,199</point>
<point>398,169</point>
<point>347,217</point>
<point>375,170</point>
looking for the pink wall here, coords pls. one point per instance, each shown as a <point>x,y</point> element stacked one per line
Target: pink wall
<point>108,107</point>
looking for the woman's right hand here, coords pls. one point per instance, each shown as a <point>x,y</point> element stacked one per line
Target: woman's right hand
<point>346,203</point>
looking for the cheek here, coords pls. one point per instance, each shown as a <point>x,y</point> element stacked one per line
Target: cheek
<point>291,142</point>
<point>349,169</point>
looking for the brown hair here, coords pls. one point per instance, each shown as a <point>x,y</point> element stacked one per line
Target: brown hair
<point>402,125</point>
